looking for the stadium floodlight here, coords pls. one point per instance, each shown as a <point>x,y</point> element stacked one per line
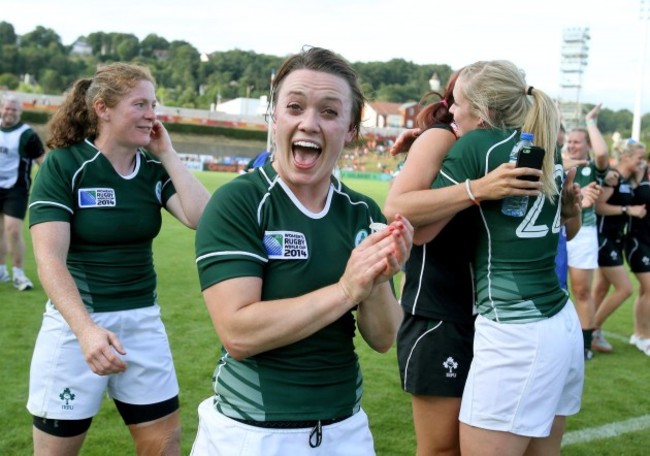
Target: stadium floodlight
<point>636,120</point>
<point>573,63</point>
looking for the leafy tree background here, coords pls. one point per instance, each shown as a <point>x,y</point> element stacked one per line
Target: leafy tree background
<point>185,79</point>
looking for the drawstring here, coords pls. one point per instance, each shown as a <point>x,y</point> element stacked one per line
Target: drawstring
<point>316,435</point>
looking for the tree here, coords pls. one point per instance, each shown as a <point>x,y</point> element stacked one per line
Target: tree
<point>9,81</point>
<point>127,47</point>
<point>41,37</point>
<point>151,43</point>
<point>50,81</point>
<point>7,33</point>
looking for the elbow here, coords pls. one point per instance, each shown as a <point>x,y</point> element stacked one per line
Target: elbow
<point>236,348</point>
<point>383,347</point>
<point>389,212</point>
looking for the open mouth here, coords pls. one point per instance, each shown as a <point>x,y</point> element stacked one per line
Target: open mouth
<point>305,153</point>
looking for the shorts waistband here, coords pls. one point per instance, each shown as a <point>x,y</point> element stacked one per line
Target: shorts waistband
<point>290,424</point>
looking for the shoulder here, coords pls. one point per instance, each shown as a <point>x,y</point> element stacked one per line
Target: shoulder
<point>355,197</point>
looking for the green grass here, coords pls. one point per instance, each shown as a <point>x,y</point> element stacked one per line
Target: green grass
<point>616,384</point>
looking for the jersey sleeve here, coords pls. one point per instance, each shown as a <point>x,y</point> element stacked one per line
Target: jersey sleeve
<point>229,237</point>
<point>52,198</point>
<point>461,163</point>
<point>31,145</point>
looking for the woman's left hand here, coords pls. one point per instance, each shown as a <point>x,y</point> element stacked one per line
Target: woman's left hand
<point>160,143</point>
<point>379,257</point>
<point>402,236</point>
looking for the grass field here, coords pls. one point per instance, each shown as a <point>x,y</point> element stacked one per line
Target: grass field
<point>616,389</point>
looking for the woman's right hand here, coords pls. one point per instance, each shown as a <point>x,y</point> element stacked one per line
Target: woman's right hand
<point>590,194</point>
<point>502,182</point>
<point>379,257</point>
<point>404,141</point>
<point>100,348</point>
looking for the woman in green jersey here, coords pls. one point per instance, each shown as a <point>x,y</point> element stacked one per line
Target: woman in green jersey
<point>527,371</point>
<point>290,268</point>
<point>95,210</point>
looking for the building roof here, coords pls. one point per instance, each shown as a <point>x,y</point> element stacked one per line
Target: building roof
<point>385,108</point>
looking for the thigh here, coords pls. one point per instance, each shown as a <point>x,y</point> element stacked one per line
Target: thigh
<point>441,438</point>
<point>475,441</point>
<point>434,356</point>
<point>637,254</point>
<point>610,252</point>
<point>148,357</point>
<point>158,437</point>
<point>15,203</point>
<point>582,250</point>
<point>524,374</point>
<point>61,385</point>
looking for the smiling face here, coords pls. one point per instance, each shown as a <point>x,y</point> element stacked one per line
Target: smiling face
<point>10,113</point>
<point>464,117</point>
<point>311,124</point>
<point>128,124</point>
<point>578,145</point>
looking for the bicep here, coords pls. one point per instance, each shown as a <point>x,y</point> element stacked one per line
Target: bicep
<point>424,161</point>
<point>224,299</point>
<point>51,240</point>
<point>174,207</point>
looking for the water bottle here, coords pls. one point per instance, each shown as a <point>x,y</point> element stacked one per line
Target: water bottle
<point>515,206</point>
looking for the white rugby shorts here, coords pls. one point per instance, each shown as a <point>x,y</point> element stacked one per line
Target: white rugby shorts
<point>523,375</point>
<point>219,435</point>
<point>62,386</point>
<point>582,250</point>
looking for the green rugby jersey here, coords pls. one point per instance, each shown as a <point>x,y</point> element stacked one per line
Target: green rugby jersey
<point>515,257</point>
<point>113,221</point>
<point>584,176</point>
<point>255,226</point>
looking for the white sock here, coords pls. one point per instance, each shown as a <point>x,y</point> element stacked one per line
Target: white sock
<point>3,269</point>
<point>18,272</point>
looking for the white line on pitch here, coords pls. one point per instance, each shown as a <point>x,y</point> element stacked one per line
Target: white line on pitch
<point>606,431</point>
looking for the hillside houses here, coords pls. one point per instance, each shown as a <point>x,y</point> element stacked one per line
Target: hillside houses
<point>384,114</point>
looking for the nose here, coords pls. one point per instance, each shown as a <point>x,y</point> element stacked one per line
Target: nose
<point>151,112</point>
<point>309,120</point>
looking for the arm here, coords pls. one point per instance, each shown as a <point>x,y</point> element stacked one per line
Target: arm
<point>571,205</point>
<point>605,209</point>
<point>410,193</point>
<point>412,196</point>
<point>598,144</point>
<point>404,141</point>
<point>51,241</point>
<point>191,197</point>
<point>590,194</point>
<point>247,325</point>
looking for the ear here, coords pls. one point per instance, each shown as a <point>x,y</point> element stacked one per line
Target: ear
<point>349,136</point>
<point>101,110</point>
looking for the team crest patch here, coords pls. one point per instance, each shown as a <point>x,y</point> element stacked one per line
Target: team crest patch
<point>361,235</point>
<point>67,396</point>
<point>96,197</point>
<point>286,245</point>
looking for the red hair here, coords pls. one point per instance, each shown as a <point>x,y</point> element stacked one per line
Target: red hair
<point>438,112</point>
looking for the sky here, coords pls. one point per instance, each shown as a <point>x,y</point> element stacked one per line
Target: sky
<point>527,32</point>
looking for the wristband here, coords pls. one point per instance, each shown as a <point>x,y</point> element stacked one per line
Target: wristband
<point>470,194</point>
<point>591,122</point>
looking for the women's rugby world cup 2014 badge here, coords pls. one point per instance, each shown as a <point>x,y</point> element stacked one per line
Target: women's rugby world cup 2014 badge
<point>96,197</point>
<point>286,245</point>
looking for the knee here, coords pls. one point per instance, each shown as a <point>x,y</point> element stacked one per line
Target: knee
<point>581,292</point>
<point>627,290</point>
<point>159,438</point>
<point>14,231</point>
